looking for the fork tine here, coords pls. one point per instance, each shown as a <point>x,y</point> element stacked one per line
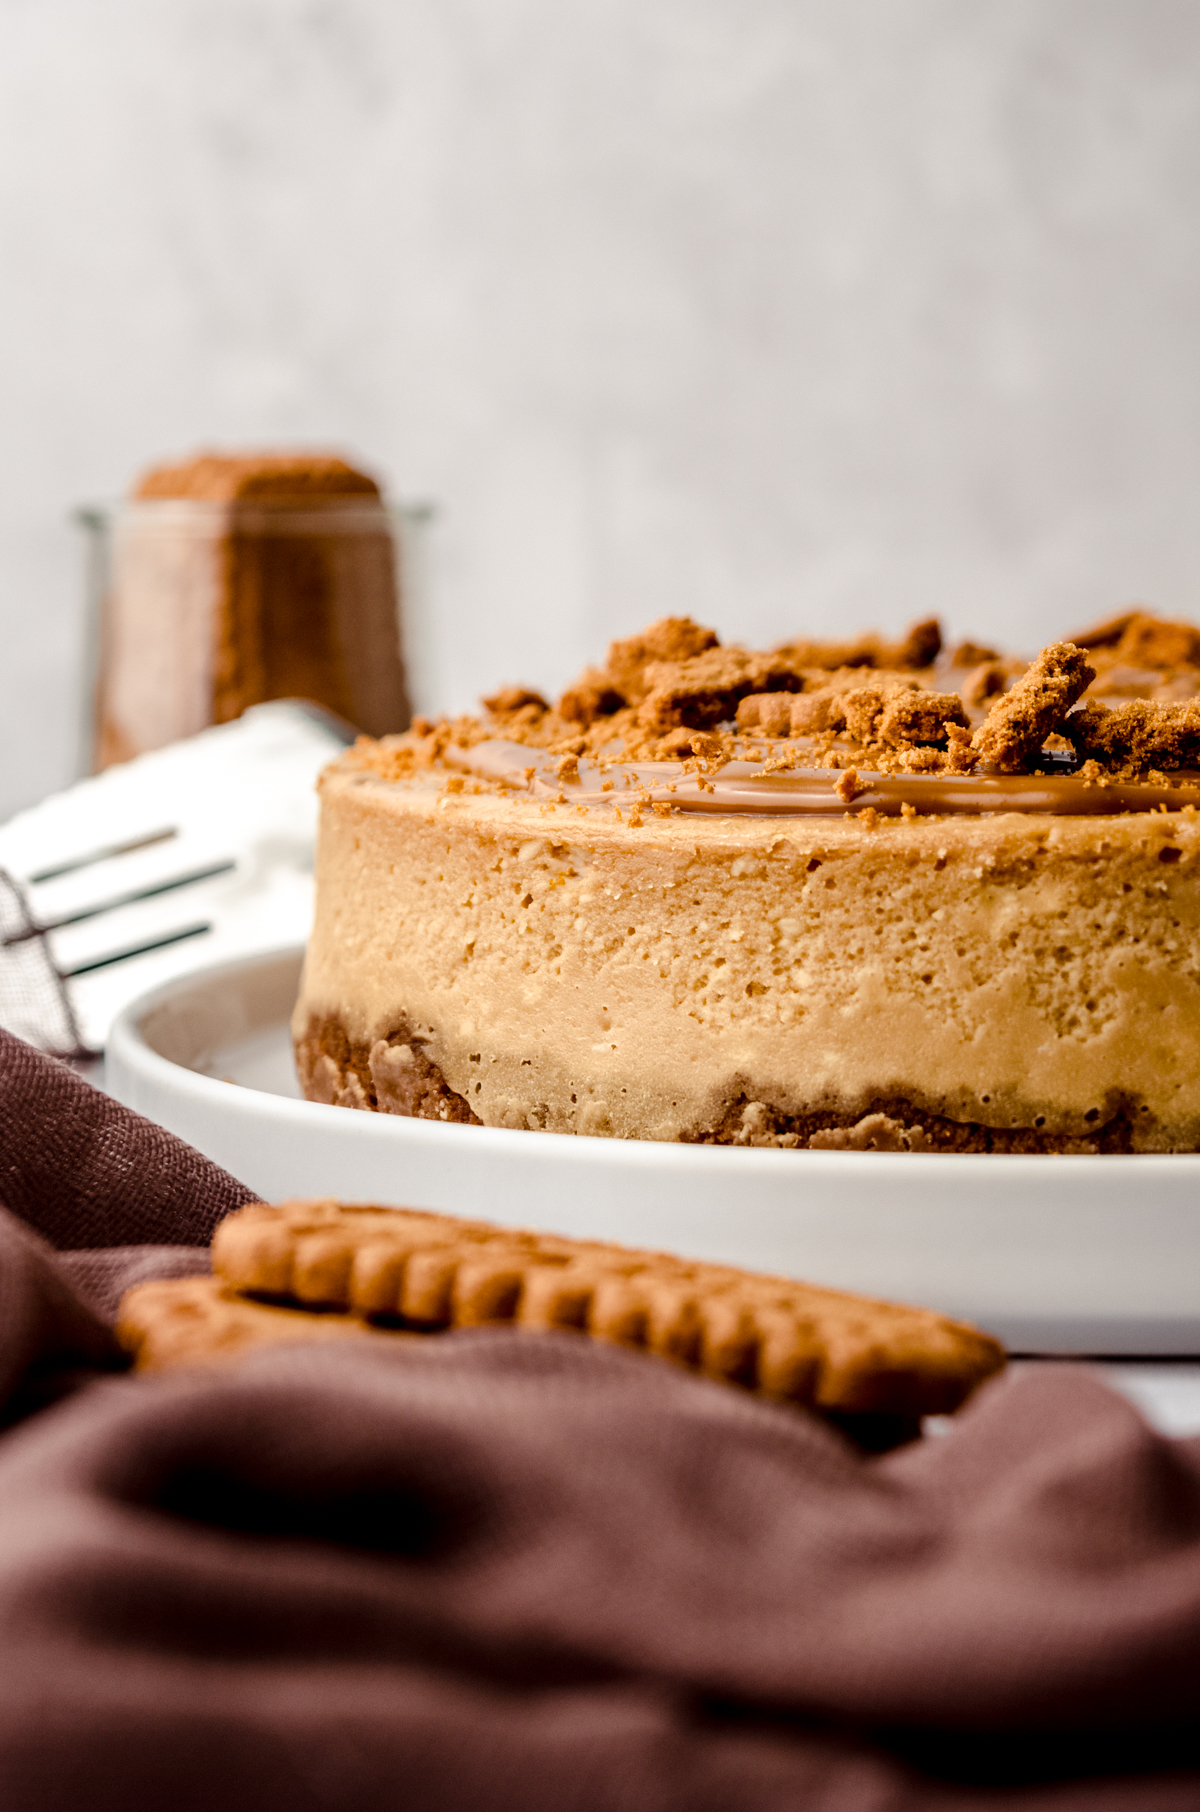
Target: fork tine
<point>122,956</point>
<point>121,899</point>
<point>101,855</point>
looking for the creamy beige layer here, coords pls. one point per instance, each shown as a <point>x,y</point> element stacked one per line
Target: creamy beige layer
<point>571,972</point>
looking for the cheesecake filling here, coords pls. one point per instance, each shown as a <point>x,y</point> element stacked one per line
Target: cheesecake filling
<point>761,981</point>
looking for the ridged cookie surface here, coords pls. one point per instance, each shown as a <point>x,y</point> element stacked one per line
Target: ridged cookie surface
<point>786,1340</point>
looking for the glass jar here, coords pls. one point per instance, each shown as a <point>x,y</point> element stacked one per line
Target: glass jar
<point>199,609</point>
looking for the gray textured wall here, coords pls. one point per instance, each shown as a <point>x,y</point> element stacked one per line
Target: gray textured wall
<point>789,313</point>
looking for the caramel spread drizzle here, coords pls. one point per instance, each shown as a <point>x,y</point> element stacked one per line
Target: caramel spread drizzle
<point>674,722</point>
<point>742,786</point>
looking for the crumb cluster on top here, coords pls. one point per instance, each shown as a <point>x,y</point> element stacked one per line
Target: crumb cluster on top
<point>1121,699</point>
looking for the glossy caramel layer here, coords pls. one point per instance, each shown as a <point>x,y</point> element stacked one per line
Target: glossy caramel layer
<point>745,786</point>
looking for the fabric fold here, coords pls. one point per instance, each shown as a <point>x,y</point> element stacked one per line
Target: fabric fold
<point>509,1570</point>
<point>83,1171</point>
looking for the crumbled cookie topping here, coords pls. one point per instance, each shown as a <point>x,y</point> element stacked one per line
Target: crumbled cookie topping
<point>707,689</point>
<point>1136,638</point>
<point>971,654</point>
<point>674,693</point>
<point>511,699</point>
<point>1019,722</point>
<point>983,682</point>
<point>593,695</point>
<point>919,648</point>
<point>900,716</point>
<point>671,639</point>
<point>1137,736</point>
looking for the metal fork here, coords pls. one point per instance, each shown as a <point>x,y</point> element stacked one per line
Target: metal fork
<point>33,986</point>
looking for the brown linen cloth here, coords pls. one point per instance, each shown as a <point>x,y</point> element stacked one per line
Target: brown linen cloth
<point>496,1570</point>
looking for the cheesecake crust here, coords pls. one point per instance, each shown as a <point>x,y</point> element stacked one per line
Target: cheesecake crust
<point>393,1075</point>
<point>338,1069</point>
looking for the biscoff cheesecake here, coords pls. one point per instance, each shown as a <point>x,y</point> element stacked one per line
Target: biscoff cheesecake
<point>853,895</point>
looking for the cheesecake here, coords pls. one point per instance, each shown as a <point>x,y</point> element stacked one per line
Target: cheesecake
<point>872,894</point>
